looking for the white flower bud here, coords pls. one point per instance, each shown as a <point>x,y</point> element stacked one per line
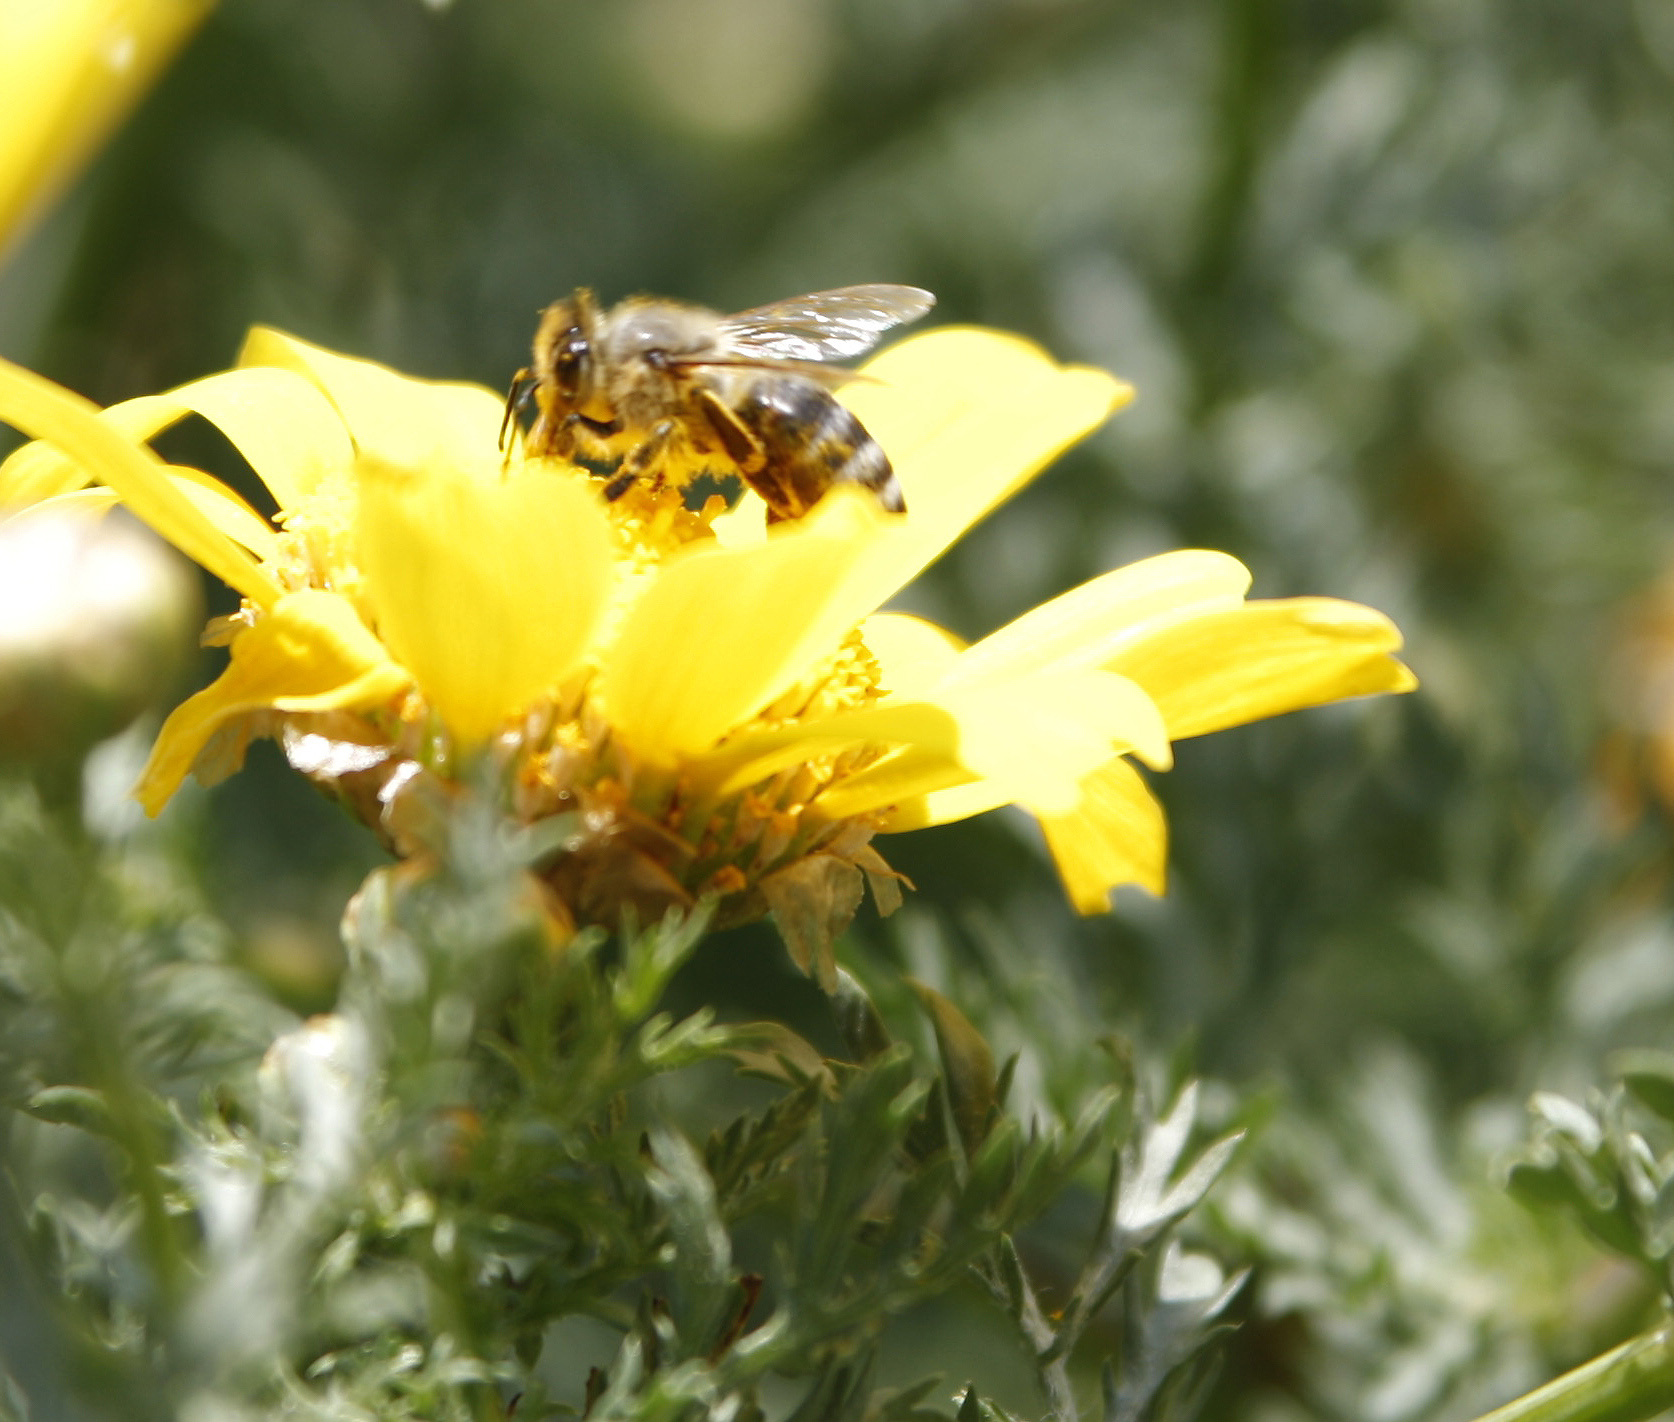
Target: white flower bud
<point>98,618</point>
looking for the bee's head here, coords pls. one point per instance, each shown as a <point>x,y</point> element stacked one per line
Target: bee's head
<point>565,359</point>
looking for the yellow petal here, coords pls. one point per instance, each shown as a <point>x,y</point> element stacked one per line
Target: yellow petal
<point>1116,835</point>
<point>219,504</point>
<point>47,411</point>
<point>967,417</point>
<point>1086,625</point>
<point>911,653</point>
<point>1038,737</point>
<point>290,434</point>
<point>721,632</point>
<point>310,653</point>
<point>223,508</point>
<point>391,417</point>
<point>930,732</point>
<point>1078,629</point>
<point>70,70</point>
<point>944,807</point>
<point>907,783</point>
<point>1224,668</point>
<point>743,525</point>
<point>1035,738</point>
<point>92,502</point>
<point>488,589</point>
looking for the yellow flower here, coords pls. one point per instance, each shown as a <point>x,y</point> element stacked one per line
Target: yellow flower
<point>70,70</point>
<point>698,704</point>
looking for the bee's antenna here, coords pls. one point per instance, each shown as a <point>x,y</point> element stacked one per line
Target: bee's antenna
<point>517,398</point>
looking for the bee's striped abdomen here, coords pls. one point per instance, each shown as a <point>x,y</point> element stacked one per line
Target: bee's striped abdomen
<point>809,442</point>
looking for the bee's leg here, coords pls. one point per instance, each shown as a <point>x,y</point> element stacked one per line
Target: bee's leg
<point>645,457</point>
<point>740,443</point>
<point>766,442</point>
<point>749,452</point>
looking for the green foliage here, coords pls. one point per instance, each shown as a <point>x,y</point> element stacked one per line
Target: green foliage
<point>1610,1162</point>
<point>393,1210</point>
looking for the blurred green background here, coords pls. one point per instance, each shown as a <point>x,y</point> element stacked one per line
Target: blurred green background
<point>1393,280</point>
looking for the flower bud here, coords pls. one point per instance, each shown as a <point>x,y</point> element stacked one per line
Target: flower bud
<point>98,619</point>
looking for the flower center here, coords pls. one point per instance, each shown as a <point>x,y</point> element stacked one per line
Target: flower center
<point>637,833</point>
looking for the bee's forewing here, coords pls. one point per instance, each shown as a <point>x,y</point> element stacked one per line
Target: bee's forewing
<point>824,325</point>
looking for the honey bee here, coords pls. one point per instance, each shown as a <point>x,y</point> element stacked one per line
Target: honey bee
<point>671,390</point>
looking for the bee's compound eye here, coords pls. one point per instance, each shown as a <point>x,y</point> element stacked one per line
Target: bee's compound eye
<point>569,366</point>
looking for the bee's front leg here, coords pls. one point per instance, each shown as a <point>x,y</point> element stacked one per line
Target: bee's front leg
<point>660,441</point>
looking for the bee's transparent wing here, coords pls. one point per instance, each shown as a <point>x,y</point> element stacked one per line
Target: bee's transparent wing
<point>824,325</point>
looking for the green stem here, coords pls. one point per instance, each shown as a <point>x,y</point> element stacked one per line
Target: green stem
<point>1628,1384</point>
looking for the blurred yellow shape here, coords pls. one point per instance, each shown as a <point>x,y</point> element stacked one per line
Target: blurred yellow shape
<point>70,70</point>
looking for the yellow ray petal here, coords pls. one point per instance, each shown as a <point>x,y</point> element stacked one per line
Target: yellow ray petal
<point>220,505</point>
<point>1035,738</point>
<point>488,589</point>
<point>1073,721</point>
<point>1116,835</point>
<point>391,417</point>
<point>928,732</point>
<point>945,806</point>
<point>310,653</point>
<point>1078,629</point>
<point>229,513</point>
<point>914,776</point>
<point>721,632</point>
<point>912,653</point>
<point>1224,668</point>
<point>973,414</point>
<point>70,70</point>
<point>1086,625</point>
<point>967,417</point>
<point>743,525</point>
<point>47,411</point>
<point>92,502</point>
<point>290,434</point>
